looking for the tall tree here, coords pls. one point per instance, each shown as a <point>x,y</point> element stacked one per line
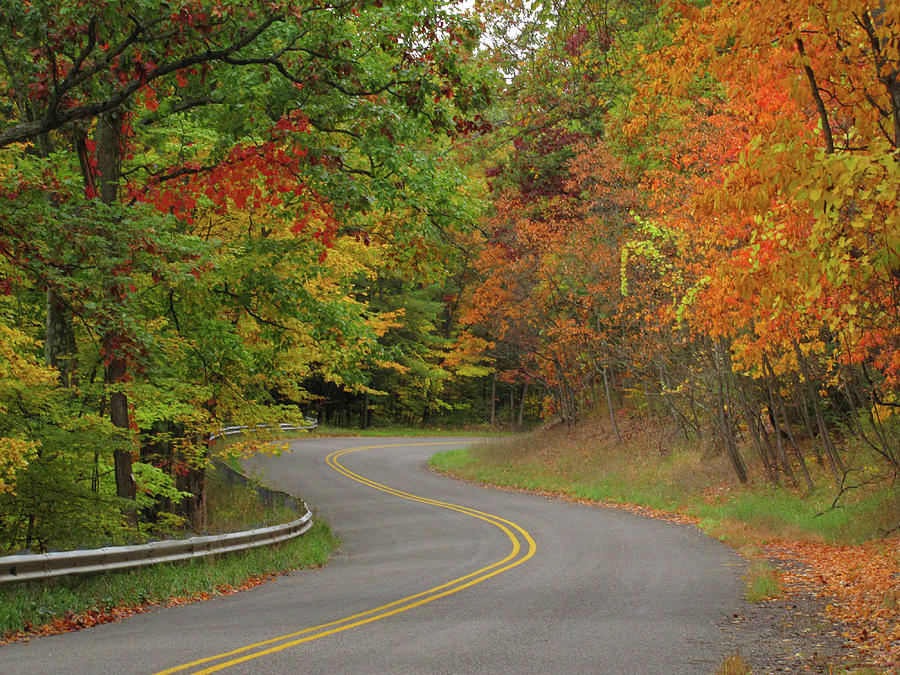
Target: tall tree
<point>181,169</point>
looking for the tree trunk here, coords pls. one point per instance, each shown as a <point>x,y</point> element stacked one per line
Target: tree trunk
<point>194,506</point>
<point>752,421</point>
<point>787,426</point>
<point>522,405</point>
<point>493,398</point>
<point>118,415</point>
<point>837,466</point>
<point>679,418</point>
<point>609,406</point>
<point>60,350</point>
<point>724,413</point>
<point>364,413</point>
<point>780,455</point>
<point>800,401</point>
<point>108,137</point>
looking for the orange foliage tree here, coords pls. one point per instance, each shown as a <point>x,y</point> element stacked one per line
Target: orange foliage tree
<point>776,180</point>
<point>749,280</point>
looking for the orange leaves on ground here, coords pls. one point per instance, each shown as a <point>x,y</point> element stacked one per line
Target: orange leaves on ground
<point>75,621</point>
<point>862,586</point>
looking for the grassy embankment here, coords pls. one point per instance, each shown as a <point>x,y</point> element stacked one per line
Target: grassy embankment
<point>655,469</point>
<point>849,546</point>
<point>73,602</point>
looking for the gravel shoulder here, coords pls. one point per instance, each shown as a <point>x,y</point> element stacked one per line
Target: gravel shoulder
<point>790,635</point>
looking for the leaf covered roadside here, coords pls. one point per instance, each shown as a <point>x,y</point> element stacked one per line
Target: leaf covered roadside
<point>72,621</point>
<point>862,586</point>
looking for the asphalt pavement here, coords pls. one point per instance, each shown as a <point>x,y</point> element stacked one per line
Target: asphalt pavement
<point>436,576</point>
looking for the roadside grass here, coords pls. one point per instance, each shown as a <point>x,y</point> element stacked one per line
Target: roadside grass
<point>763,511</point>
<point>763,582</point>
<point>654,468</point>
<point>233,507</point>
<point>68,603</point>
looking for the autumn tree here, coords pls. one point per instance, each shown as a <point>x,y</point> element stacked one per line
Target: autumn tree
<point>179,172</point>
<point>757,268</point>
<point>780,156</point>
<point>561,200</point>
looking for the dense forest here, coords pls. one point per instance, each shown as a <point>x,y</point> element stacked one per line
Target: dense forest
<point>418,213</point>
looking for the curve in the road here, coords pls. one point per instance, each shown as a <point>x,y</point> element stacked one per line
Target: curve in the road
<point>523,548</point>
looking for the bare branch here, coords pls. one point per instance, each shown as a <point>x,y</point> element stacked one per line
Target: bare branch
<point>54,120</point>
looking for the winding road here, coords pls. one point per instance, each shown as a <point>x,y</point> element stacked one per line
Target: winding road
<point>437,576</point>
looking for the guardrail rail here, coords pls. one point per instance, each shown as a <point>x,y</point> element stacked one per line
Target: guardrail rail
<point>36,566</point>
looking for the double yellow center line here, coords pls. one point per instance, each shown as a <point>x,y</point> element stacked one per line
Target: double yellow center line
<point>523,548</point>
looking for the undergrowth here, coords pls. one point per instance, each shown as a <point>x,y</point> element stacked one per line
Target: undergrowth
<point>233,507</point>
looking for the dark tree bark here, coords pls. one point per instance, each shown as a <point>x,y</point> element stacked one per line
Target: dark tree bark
<point>522,405</point>
<point>108,138</point>
<point>493,398</point>
<point>609,406</point>
<point>60,350</point>
<point>723,410</point>
<point>752,421</point>
<point>193,507</point>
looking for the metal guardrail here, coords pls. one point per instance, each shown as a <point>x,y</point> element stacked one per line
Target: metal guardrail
<point>31,567</point>
<point>310,423</point>
<point>35,566</point>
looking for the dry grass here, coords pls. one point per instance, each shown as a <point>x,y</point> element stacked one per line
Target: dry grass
<point>734,665</point>
<point>652,466</point>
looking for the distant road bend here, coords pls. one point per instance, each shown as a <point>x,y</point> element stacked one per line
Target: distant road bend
<point>437,576</point>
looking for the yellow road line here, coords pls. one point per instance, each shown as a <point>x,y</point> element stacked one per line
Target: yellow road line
<point>398,606</point>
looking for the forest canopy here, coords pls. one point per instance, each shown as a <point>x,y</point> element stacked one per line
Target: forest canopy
<point>242,212</point>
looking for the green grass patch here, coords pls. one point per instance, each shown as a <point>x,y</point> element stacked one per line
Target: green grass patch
<point>28,607</point>
<point>450,460</point>
<point>537,475</point>
<point>802,514</point>
<point>763,582</point>
<point>233,507</point>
